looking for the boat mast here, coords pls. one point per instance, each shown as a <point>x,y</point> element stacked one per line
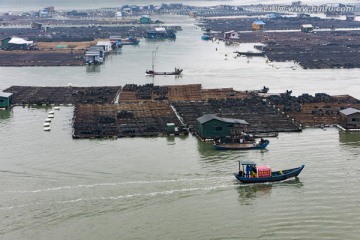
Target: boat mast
<point>153,57</point>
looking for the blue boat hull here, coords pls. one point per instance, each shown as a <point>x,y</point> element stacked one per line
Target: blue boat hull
<point>275,176</point>
<point>241,146</point>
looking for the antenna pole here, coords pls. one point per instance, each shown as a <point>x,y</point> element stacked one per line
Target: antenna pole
<point>153,57</point>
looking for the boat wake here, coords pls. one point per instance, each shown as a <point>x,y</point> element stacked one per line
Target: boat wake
<point>126,196</point>
<point>62,188</point>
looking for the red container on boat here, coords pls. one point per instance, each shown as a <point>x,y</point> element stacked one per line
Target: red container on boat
<point>263,171</point>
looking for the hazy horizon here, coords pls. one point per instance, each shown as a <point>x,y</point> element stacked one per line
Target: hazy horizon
<point>30,5</point>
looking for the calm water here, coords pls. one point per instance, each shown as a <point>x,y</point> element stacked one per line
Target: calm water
<point>174,188</point>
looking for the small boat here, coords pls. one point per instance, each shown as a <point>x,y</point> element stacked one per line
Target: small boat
<point>265,135</point>
<point>130,41</point>
<point>242,146</point>
<point>176,72</point>
<point>263,90</point>
<point>250,53</point>
<point>205,37</point>
<point>250,173</point>
<point>152,72</point>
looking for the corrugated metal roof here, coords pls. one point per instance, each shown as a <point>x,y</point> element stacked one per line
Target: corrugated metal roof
<point>259,22</point>
<point>17,40</point>
<point>5,94</point>
<point>160,29</point>
<point>209,117</point>
<point>349,111</point>
<point>103,43</point>
<point>307,26</point>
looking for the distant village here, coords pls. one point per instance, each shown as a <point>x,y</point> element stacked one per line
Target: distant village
<point>75,37</point>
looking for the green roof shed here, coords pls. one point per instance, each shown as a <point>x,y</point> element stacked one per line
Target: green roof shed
<point>5,99</point>
<point>211,126</point>
<point>145,19</point>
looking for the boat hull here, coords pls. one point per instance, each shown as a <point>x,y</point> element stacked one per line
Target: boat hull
<point>275,176</point>
<point>164,73</point>
<point>265,135</point>
<point>241,146</point>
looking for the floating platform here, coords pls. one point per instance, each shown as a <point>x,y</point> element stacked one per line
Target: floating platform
<point>145,110</point>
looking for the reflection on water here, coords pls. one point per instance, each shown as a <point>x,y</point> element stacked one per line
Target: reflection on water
<point>117,51</point>
<point>249,192</point>
<point>349,138</point>
<point>5,114</point>
<point>93,68</point>
<point>206,149</point>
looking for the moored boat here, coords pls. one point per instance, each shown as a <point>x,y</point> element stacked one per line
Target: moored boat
<point>265,135</point>
<point>242,146</point>
<point>250,173</point>
<point>130,41</point>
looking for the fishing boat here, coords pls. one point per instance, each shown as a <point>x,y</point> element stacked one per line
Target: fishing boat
<point>130,41</point>
<point>242,146</point>
<point>249,172</point>
<point>152,71</point>
<point>250,53</point>
<point>176,72</point>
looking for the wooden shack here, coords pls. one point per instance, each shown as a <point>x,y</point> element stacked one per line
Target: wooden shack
<point>307,28</point>
<point>231,35</point>
<point>160,33</point>
<point>350,118</point>
<point>210,126</point>
<point>258,25</point>
<point>35,25</point>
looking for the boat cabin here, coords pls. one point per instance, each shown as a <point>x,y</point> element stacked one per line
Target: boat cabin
<point>115,41</point>
<point>249,169</point>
